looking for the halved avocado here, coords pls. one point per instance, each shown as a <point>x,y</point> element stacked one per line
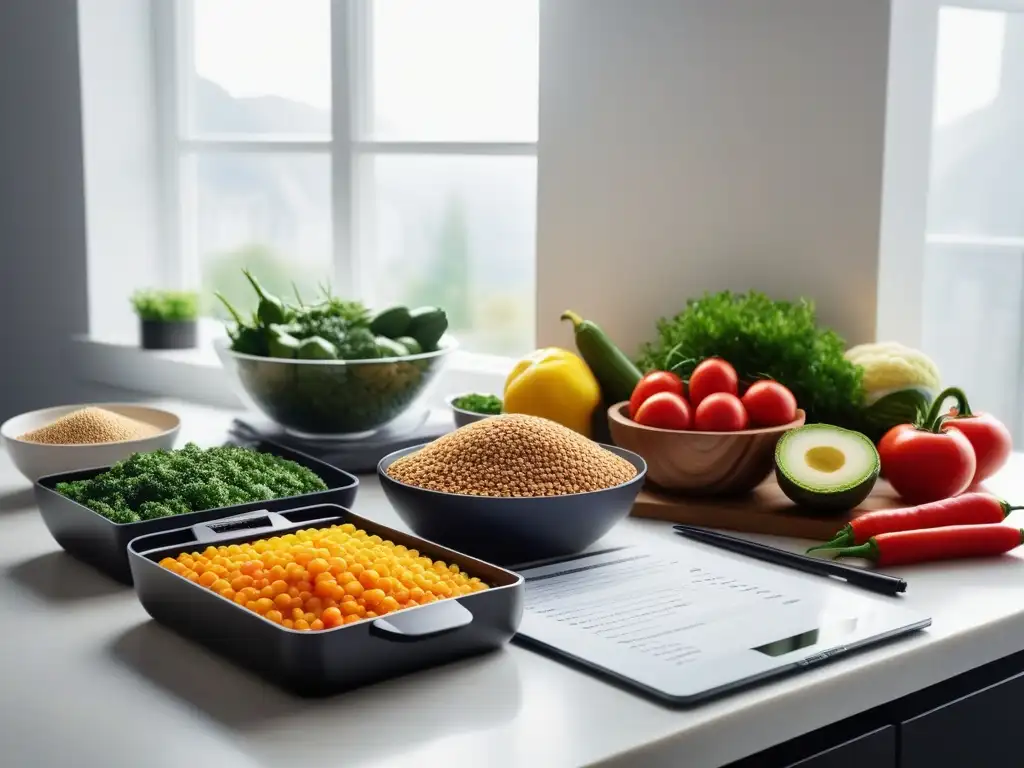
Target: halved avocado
<point>826,468</point>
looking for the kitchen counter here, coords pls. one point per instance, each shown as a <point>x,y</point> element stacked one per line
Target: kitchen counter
<point>89,680</point>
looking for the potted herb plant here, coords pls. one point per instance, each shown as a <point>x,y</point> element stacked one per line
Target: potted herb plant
<point>167,319</point>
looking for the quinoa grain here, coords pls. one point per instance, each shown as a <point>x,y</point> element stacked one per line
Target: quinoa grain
<point>90,425</point>
<point>512,455</point>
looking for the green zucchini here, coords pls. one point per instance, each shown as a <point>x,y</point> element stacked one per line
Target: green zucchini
<point>392,322</point>
<point>615,372</point>
<point>427,325</point>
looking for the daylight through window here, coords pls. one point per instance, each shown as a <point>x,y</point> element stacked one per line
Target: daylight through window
<point>387,147</point>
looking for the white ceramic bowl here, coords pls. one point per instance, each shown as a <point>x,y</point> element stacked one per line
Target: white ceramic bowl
<point>36,460</point>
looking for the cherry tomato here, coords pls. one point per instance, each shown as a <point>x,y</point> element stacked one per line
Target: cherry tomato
<point>769,404</point>
<point>720,412</point>
<point>652,383</point>
<point>927,464</point>
<point>711,376</point>
<point>664,410</point>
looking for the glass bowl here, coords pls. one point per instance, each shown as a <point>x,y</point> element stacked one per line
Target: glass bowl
<point>334,399</point>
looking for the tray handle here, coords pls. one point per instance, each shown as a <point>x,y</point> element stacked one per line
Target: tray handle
<point>427,621</point>
<point>248,522</point>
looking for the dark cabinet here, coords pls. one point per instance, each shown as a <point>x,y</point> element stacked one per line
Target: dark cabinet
<point>876,749</point>
<point>977,730</point>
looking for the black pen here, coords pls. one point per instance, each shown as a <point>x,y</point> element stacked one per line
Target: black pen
<point>876,582</point>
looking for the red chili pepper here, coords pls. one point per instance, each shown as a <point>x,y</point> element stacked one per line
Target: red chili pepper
<point>927,463</point>
<point>988,436</point>
<point>949,543</point>
<point>968,509</point>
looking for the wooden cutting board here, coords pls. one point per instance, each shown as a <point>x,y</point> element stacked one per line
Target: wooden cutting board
<point>764,510</point>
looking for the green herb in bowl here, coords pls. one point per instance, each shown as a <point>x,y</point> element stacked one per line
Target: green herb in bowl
<point>488,405</point>
<point>164,483</point>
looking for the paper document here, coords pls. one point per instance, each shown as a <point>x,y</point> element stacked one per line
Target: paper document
<point>688,618</point>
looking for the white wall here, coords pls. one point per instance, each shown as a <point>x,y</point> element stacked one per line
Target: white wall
<point>42,213</point>
<point>709,144</point>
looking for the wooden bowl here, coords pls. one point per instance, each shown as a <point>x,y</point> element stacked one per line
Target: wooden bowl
<point>700,463</point>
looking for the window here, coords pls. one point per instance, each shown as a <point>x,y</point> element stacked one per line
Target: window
<point>384,147</point>
<point>974,255</point>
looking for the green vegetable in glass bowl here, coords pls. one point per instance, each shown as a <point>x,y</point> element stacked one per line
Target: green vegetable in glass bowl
<point>162,483</point>
<point>476,403</point>
<point>328,369</point>
<point>764,338</point>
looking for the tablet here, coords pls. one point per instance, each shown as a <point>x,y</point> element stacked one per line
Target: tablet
<point>689,622</point>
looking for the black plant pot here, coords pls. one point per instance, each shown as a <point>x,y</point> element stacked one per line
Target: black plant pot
<point>174,334</point>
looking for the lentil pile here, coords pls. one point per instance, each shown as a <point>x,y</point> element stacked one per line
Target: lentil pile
<point>316,579</point>
<point>513,455</point>
<point>90,425</point>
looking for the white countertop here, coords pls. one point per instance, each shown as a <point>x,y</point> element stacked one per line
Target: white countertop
<point>88,679</point>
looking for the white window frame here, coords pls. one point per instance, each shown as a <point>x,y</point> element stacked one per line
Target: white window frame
<point>196,374</point>
<point>350,42</point>
<point>904,235</point>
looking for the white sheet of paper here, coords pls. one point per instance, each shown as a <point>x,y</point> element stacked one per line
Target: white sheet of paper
<point>690,619</point>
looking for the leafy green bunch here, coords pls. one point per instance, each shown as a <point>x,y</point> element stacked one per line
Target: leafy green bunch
<point>166,306</point>
<point>162,483</point>
<point>342,325</point>
<point>763,338</point>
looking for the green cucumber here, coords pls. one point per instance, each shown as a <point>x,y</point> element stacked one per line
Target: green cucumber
<point>392,322</point>
<point>615,372</point>
<point>427,325</point>
<point>410,344</point>
<point>391,348</point>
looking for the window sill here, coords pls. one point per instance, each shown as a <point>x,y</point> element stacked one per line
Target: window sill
<point>196,374</point>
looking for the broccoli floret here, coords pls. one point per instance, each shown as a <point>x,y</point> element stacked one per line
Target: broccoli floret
<point>164,483</point>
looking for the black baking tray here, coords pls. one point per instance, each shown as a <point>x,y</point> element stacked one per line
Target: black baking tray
<point>95,540</point>
<point>329,661</point>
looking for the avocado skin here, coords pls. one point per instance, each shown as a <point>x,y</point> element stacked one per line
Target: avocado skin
<point>819,501</point>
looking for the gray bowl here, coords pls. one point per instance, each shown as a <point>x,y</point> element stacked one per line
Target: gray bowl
<point>461,416</point>
<point>507,531</point>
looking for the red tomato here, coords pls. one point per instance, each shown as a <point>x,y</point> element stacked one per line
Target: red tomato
<point>664,410</point>
<point>989,438</point>
<point>652,383</point>
<point>720,412</point>
<point>711,376</point>
<point>923,465</point>
<point>769,404</point>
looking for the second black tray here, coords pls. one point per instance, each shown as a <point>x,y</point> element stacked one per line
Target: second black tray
<point>321,663</point>
<point>103,544</point>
